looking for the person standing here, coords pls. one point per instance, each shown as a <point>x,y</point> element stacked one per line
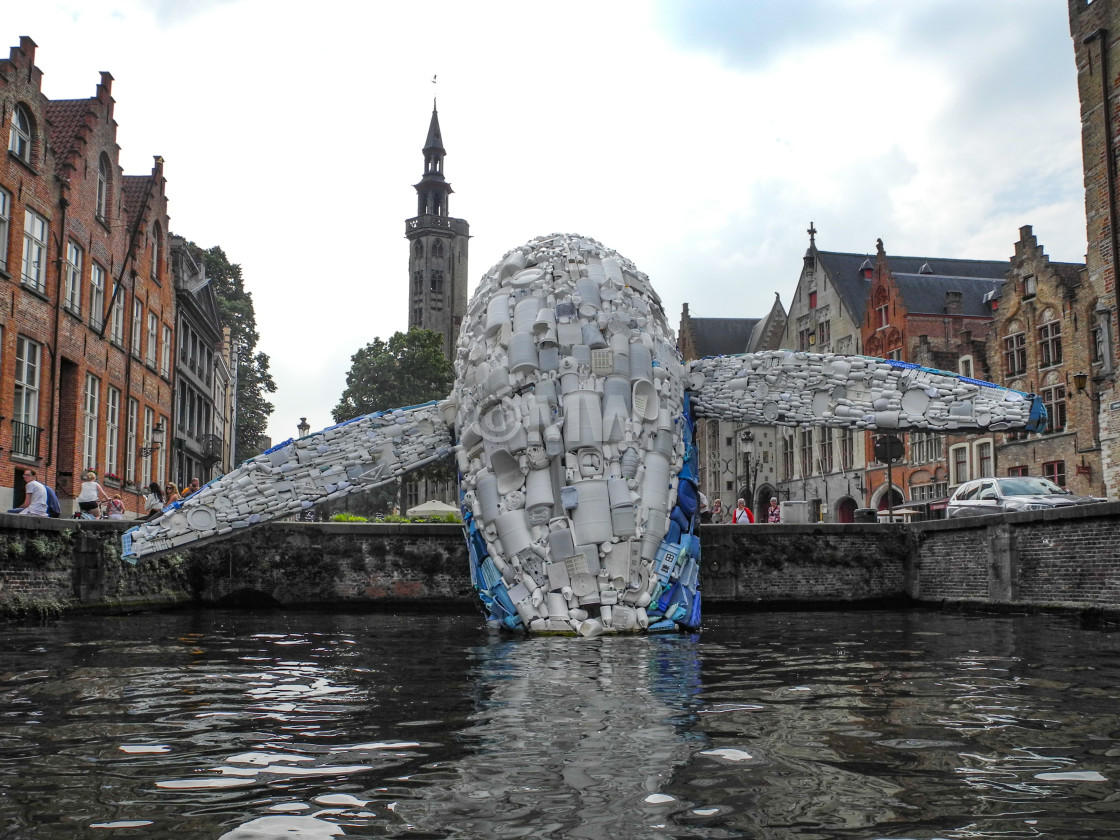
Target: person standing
<point>705,511</point>
<point>91,495</point>
<point>717,512</point>
<point>774,512</point>
<point>742,514</point>
<point>34,496</point>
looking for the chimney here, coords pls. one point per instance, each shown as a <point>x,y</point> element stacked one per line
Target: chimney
<point>953,302</point>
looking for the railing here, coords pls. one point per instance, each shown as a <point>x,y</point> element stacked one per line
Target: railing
<point>25,439</point>
<point>212,446</point>
<point>458,226</point>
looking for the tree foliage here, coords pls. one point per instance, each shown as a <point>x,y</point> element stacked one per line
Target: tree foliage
<point>254,380</point>
<point>408,369</point>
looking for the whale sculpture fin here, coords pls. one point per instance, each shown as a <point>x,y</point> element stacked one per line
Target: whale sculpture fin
<point>783,387</point>
<point>354,456</point>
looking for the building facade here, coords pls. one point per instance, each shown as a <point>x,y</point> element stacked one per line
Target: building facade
<point>201,440</point>
<point>437,264</point>
<point>1095,27</point>
<point>87,335</point>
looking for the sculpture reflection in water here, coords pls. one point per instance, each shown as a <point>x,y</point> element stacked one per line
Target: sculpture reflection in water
<point>571,420</point>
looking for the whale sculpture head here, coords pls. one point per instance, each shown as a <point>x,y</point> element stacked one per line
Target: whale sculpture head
<point>575,444</point>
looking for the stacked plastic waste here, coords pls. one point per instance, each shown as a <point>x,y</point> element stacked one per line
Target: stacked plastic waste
<point>575,446</point>
<point>357,455</point>
<point>858,392</point>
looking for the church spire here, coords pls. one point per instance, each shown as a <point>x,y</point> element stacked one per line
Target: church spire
<point>432,190</point>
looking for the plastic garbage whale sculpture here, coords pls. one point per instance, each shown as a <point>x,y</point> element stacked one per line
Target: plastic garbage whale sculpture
<point>571,421</point>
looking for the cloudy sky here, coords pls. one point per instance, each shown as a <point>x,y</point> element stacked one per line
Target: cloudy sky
<point>697,137</point>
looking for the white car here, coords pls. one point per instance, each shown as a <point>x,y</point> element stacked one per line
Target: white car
<point>1014,493</point>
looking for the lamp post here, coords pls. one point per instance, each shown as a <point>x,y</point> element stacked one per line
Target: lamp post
<point>155,443</point>
<point>304,427</point>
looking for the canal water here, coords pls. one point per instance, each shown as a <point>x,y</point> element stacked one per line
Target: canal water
<point>884,724</point>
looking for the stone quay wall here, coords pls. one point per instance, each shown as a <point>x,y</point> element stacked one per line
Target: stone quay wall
<point>1067,559</point>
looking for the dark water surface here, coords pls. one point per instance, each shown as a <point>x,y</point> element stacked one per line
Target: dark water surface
<point>778,725</point>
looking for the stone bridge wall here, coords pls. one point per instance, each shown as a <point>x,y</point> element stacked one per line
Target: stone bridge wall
<point>1065,558</point>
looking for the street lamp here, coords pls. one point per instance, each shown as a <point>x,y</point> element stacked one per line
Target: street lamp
<point>156,442</point>
<point>304,427</point>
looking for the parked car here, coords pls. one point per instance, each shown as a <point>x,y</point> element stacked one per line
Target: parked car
<point>1015,493</point>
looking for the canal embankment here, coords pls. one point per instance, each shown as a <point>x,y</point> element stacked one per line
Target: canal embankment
<point>1067,559</point>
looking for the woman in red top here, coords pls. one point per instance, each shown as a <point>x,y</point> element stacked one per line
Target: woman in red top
<point>742,514</point>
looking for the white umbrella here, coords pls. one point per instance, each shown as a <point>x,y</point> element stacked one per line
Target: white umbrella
<point>432,508</point>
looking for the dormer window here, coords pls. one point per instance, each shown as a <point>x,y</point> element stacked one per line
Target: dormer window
<point>1030,286</point>
<point>19,138</point>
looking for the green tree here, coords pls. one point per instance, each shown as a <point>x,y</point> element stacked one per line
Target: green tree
<point>254,380</point>
<point>408,369</point>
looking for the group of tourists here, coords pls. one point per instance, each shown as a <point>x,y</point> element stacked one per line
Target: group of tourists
<point>93,500</point>
<point>742,514</point>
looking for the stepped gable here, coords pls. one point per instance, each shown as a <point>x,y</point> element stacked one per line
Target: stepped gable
<point>68,127</point>
<point>845,272</point>
<point>134,190</point>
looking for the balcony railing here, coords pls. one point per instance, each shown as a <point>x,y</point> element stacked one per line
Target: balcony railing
<point>25,439</point>
<point>212,446</point>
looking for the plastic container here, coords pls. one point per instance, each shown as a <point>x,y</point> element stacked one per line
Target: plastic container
<point>523,353</point>
<point>486,490</point>
<point>591,519</point>
<point>623,513</point>
<point>525,314</point>
<point>513,532</point>
<point>583,420</point>
<point>497,313</point>
<point>539,499</point>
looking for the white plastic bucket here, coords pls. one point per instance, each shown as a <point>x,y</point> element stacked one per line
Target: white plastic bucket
<point>591,520</point>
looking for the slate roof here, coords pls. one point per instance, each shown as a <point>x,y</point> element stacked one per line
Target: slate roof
<point>722,336</point>
<point>65,118</point>
<point>844,271</point>
<point>924,294</point>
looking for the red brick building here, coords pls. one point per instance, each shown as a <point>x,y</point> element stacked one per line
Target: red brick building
<point>87,321</point>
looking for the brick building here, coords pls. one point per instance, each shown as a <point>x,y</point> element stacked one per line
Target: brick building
<point>1095,27</point>
<point>87,330</point>
<point>938,313</point>
<point>1046,331</point>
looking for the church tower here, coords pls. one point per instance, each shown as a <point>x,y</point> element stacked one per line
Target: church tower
<point>437,261</point>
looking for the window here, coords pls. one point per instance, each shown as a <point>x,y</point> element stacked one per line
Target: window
<point>812,300</point>
<point>418,248</point>
<point>1055,401</point>
<point>25,413</point>
<point>1015,471</point>
<point>1050,344</point>
<point>964,366</point>
<point>847,448</point>
<point>103,178</point>
<point>1030,286</point>
<point>803,339</point>
<point>418,282</point>
<point>984,466</point>
<point>96,296</point>
<point>882,316</point>
<point>130,441</point>
<point>116,320</point>
<point>153,337</point>
<point>417,316</point>
<point>437,249</point>
<point>826,449</point>
<point>146,460</point>
<point>5,226</point>
<point>92,405</point>
<point>437,281</point>
<point>112,429</point>
<point>824,332</point>
<point>806,452</point>
<point>161,459</point>
<point>787,459</point>
<point>926,492</point>
<point>1055,471</point>
<point>157,238</point>
<point>34,251</point>
<point>1015,354</point>
<point>72,294</point>
<point>137,322</point>
<point>924,447</point>
<point>895,354</point>
<point>19,138</point>
<point>958,460</point>
<point>165,353</point>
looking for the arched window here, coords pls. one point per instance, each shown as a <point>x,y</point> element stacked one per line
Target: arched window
<point>418,248</point>
<point>437,249</point>
<point>103,181</point>
<point>19,138</point>
<point>157,240</point>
